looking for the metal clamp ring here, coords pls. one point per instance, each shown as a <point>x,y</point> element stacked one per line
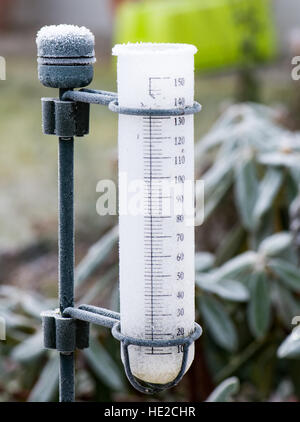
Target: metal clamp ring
<point>150,388</point>
<point>114,106</point>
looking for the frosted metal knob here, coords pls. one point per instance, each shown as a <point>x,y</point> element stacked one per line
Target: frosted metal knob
<point>65,56</point>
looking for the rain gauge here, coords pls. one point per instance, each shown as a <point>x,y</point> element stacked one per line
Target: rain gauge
<point>156,152</point>
<point>155,102</point>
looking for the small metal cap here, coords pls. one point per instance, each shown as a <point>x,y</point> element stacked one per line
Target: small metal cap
<point>65,56</point>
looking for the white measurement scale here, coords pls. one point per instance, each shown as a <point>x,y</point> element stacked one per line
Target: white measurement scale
<point>156,230</point>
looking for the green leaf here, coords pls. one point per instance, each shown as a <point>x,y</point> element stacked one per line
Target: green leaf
<point>279,159</point>
<point>99,286</point>
<point>214,176</point>
<point>96,255</point>
<point>236,266</point>
<point>226,289</point>
<point>29,349</point>
<point>224,391</point>
<point>290,348</point>
<point>209,141</point>
<point>230,245</point>
<point>218,323</point>
<point>259,308</point>
<point>246,189</point>
<point>268,189</point>
<point>294,173</point>
<point>266,229</point>
<point>204,261</point>
<point>275,244</point>
<point>46,387</point>
<point>288,273</point>
<point>103,365</point>
<point>220,133</point>
<point>286,304</point>
<point>14,320</point>
<point>34,304</point>
<point>212,200</point>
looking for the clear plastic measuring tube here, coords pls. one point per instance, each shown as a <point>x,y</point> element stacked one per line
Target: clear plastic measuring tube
<point>157,244</point>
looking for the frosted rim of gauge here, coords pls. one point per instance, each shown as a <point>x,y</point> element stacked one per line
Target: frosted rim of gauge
<point>136,49</point>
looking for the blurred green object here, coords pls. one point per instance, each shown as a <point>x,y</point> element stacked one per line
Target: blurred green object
<point>228,33</point>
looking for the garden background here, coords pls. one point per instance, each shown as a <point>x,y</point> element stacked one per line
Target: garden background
<point>248,153</point>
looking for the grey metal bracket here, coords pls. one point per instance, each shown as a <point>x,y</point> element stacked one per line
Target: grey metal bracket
<point>70,330</point>
<point>69,116</point>
<point>64,334</point>
<point>65,119</point>
<point>110,99</point>
<point>91,96</point>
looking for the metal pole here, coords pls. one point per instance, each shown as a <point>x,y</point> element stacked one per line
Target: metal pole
<point>66,254</point>
<point>65,60</point>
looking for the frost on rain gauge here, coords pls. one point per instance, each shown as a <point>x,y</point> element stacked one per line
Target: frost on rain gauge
<point>156,152</point>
